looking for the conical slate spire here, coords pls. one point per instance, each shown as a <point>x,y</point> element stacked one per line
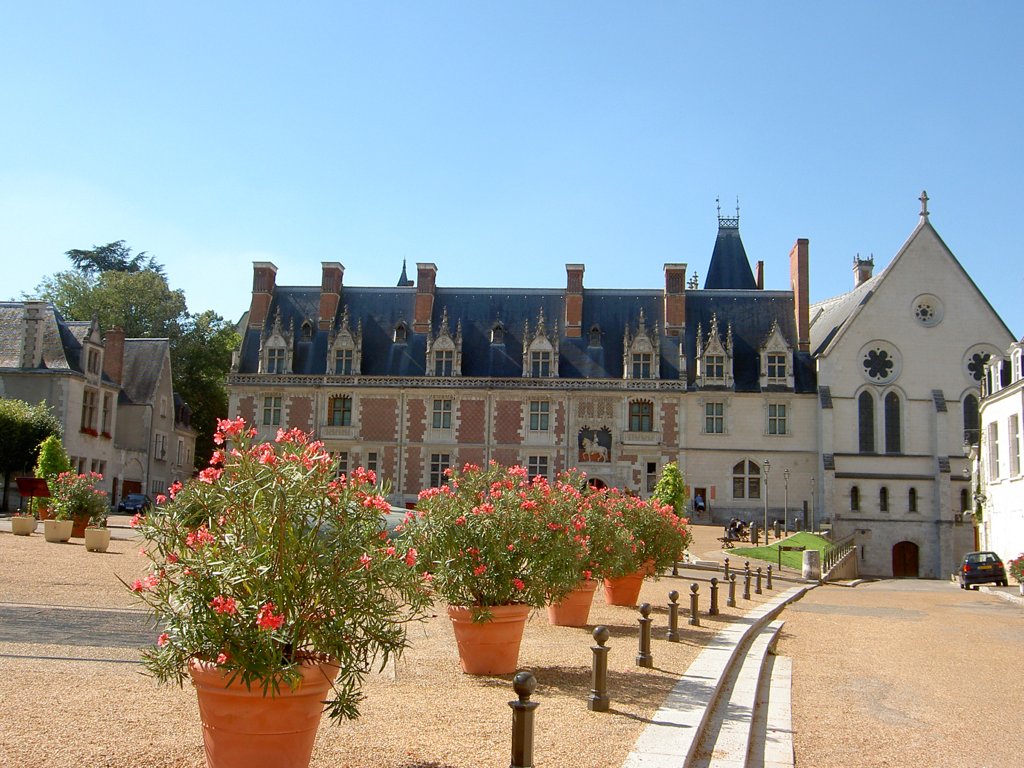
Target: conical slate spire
<point>729,268</point>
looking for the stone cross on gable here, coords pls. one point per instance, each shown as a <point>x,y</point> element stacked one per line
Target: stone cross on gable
<point>924,204</point>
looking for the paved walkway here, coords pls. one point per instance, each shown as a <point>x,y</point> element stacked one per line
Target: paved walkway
<point>905,673</point>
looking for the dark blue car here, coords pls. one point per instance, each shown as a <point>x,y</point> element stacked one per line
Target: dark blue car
<point>133,503</point>
<point>981,568</point>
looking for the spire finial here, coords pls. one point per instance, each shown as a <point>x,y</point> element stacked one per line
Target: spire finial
<point>924,204</point>
<point>718,206</point>
<point>737,208</point>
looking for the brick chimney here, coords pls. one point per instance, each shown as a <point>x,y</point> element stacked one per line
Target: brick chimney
<point>113,355</point>
<point>332,273</point>
<point>574,300</point>
<point>35,334</point>
<point>426,280</point>
<point>759,275</point>
<point>862,269</point>
<point>675,299</point>
<point>264,278</point>
<point>800,283</point>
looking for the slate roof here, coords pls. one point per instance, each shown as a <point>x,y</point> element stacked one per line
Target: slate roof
<point>751,314</point>
<point>61,344</point>
<point>729,269</point>
<point>828,317</point>
<point>143,364</point>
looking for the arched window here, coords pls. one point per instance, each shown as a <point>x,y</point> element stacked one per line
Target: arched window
<point>971,420</point>
<point>866,422</point>
<point>595,336</point>
<point>883,499</point>
<point>339,411</point>
<point>892,423</point>
<point>746,480</point>
<point>912,500</point>
<point>854,499</point>
<point>641,416</point>
<point>401,332</point>
<point>307,330</point>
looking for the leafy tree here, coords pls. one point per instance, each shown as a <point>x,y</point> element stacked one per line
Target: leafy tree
<point>112,257</point>
<point>201,359</point>
<point>671,488</point>
<point>24,427</point>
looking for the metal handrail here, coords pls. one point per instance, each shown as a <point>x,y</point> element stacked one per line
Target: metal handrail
<point>837,552</point>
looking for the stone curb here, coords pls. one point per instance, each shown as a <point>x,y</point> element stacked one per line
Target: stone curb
<point>675,730</point>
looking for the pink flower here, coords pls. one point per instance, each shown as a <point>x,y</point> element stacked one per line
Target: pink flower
<point>199,537</point>
<point>222,604</point>
<point>267,619</point>
<point>162,640</point>
<point>147,584</point>
<point>410,557</point>
<point>222,658</point>
<point>161,499</point>
<point>428,576</point>
<point>136,519</point>
<point>365,560</point>
<point>217,458</point>
<point>588,575</point>
<point>518,584</point>
<point>175,487</point>
<point>210,475</point>
<point>460,520</point>
<point>480,570</point>
<point>172,557</point>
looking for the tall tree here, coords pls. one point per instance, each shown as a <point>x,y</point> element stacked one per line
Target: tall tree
<point>201,358</point>
<point>112,257</point>
<point>24,427</point>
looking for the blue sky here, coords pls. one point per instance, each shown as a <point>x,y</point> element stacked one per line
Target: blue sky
<point>504,140</point>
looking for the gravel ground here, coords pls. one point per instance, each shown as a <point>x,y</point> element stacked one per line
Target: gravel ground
<point>905,673</point>
<point>421,712</point>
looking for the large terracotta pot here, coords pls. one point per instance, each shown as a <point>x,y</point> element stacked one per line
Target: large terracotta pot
<point>623,590</point>
<point>23,525</point>
<point>97,539</point>
<point>80,523</point>
<point>574,608</point>
<point>57,531</point>
<point>242,728</point>
<point>490,647</point>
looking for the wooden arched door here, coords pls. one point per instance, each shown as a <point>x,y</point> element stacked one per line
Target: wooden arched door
<point>904,560</point>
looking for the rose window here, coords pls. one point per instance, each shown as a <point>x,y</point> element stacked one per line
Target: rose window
<point>878,364</point>
<point>927,310</point>
<point>976,364</point>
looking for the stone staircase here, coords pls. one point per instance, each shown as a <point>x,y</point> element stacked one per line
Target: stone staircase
<point>731,708</point>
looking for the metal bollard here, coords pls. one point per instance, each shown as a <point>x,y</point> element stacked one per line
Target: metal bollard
<point>598,699</point>
<point>643,657</point>
<point>524,684</point>
<point>694,618</point>
<point>769,583</point>
<point>731,601</point>
<point>725,570</point>
<point>713,608</point>
<point>673,616</point>
<point>746,585</point>
<point>757,583</point>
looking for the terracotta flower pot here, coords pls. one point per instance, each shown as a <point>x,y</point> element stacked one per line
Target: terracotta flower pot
<point>574,609</point>
<point>57,531</point>
<point>490,647</point>
<point>97,539</point>
<point>623,590</point>
<point>23,525</point>
<point>242,728</point>
<point>80,523</point>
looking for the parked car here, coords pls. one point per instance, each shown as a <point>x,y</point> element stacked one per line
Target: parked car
<point>133,503</point>
<point>981,568</point>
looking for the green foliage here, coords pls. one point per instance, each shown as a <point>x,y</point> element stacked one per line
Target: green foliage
<point>491,536</point>
<point>72,495</point>
<point>201,359</point>
<point>267,557</point>
<point>671,488</point>
<point>794,560</point>
<point>112,257</point>
<point>53,459</point>
<point>23,428</point>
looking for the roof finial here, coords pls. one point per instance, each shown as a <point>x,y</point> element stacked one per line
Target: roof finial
<point>737,209</point>
<point>718,205</point>
<point>924,204</point>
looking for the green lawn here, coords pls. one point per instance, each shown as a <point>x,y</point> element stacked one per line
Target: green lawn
<point>792,560</point>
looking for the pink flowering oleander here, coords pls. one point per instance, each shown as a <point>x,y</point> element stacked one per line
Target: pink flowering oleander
<point>268,556</point>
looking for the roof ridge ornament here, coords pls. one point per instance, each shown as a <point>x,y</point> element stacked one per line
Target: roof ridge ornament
<point>924,204</point>
<point>728,222</point>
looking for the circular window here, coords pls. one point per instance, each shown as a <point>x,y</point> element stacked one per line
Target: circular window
<point>880,362</point>
<point>927,309</point>
<point>975,360</point>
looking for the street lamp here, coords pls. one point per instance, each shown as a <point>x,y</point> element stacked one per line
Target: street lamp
<point>767,467</point>
<point>785,509</point>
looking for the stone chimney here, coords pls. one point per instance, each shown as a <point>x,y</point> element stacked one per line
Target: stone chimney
<point>264,278</point>
<point>332,273</point>
<point>574,300</point>
<point>113,355</point>
<point>675,299</point>
<point>799,281</point>
<point>862,269</point>
<point>759,275</point>
<point>426,281</point>
<point>35,334</point>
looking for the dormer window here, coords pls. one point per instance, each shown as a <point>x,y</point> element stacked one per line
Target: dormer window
<point>642,365</point>
<point>307,331</point>
<point>94,361</point>
<point>595,336</point>
<point>714,358</point>
<point>498,334</point>
<point>344,348</point>
<point>641,356</point>
<point>275,360</point>
<point>776,364</point>
<point>444,351</point>
<point>714,368</point>
<point>776,354</point>
<point>343,359</point>
<point>540,351</point>
<point>401,333</point>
